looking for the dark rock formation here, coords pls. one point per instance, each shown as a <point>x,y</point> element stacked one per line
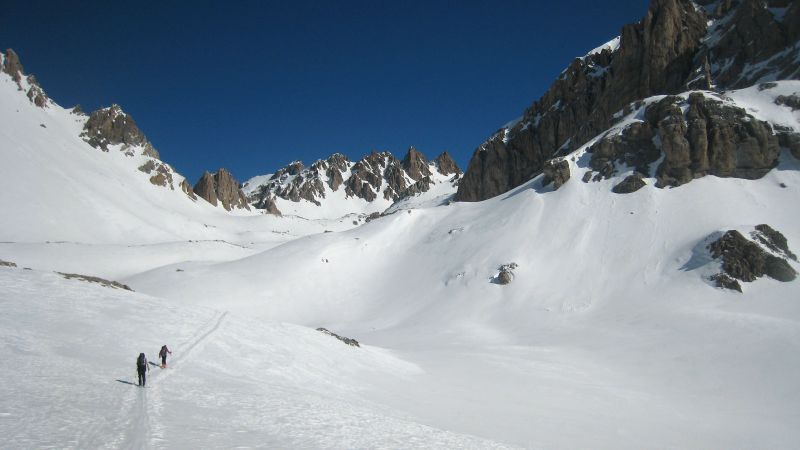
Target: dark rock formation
<point>161,173</point>
<point>773,240</point>
<point>268,205</point>
<point>723,281</point>
<point>631,183</point>
<point>556,172</point>
<point>7,264</point>
<point>112,126</point>
<point>711,138</point>
<point>747,261</point>
<point>416,165</point>
<point>446,165</point>
<point>13,67</point>
<point>101,281</point>
<point>187,189</point>
<point>792,101</point>
<point>377,175</point>
<point>665,53</point>
<point>223,188</point>
<point>346,340</point>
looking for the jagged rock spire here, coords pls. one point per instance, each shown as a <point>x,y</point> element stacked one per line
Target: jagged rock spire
<point>221,188</point>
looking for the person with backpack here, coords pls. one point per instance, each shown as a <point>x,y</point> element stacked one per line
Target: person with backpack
<point>142,368</point>
<point>163,355</point>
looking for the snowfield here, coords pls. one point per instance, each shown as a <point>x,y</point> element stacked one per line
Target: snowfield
<point>609,335</point>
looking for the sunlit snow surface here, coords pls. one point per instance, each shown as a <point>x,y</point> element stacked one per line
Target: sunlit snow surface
<point>609,335</point>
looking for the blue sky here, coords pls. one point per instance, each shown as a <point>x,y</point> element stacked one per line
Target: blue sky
<point>251,86</point>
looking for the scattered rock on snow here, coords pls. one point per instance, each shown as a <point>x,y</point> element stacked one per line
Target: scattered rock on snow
<point>631,183</point>
<point>7,264</point>
<point>346,340</point>
<point>98,280</point>
<point>505,274</point>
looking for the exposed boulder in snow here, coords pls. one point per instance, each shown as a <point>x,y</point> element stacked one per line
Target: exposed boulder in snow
<point>746,260</point>
<point>112,126</point>
<point>7,264</point>
<point>556,172</point>
<point>633,147</point>
<point>221,187</point>
<point>346,340</point>
<point>505,274</point>
<point>631,183</point>
<point>676,47</point>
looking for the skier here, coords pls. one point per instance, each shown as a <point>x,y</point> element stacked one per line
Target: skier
<point>163,355</point>
<point>142,368</point>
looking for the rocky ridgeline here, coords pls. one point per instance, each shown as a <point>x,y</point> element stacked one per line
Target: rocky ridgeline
<point>377,175</point>
<point>747,260</point>
<point>678,46</point>
<point>221,188</point>
<point>10,64</point>
<point>113,126</point>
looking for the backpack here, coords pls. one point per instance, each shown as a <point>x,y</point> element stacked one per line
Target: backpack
<point>141,362</point>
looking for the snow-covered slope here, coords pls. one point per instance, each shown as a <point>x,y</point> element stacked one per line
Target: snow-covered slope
<point>56,187</point>
<point>231,383</point>
<point>610,326</point>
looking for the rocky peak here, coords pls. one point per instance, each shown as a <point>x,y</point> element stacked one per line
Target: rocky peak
<point>221,188</point>
<point>678,45</point>
<point>415,164</point>
<point>446,165</point>
<point>112,126</point>
<point>13,67</point>
<point>378,175</point>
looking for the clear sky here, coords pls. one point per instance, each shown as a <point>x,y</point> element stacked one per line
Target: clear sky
<point>253,85</point>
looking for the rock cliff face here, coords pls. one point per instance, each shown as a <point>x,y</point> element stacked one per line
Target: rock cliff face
<point>221,188</point>
<point>10,64</point>
<point>697,136</point>
<point>677,46</point>
<point>378,175</point>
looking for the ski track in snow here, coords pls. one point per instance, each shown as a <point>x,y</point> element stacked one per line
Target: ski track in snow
<point>141,433</point>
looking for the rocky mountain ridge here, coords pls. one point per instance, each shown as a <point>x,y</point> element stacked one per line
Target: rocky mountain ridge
<point>378,176</point>
<point>678,46</point>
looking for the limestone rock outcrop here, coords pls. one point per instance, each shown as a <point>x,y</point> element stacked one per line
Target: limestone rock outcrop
<point>711,138</point>
<point>747,260</point>
<point>556,172</point>
<point>676,47</point>
<point>221,188</point>
<point>112,126</point>
<point>10,64</point>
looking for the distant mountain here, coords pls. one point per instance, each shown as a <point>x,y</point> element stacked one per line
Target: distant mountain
<point>336,186</point>
<point>678,47</point>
